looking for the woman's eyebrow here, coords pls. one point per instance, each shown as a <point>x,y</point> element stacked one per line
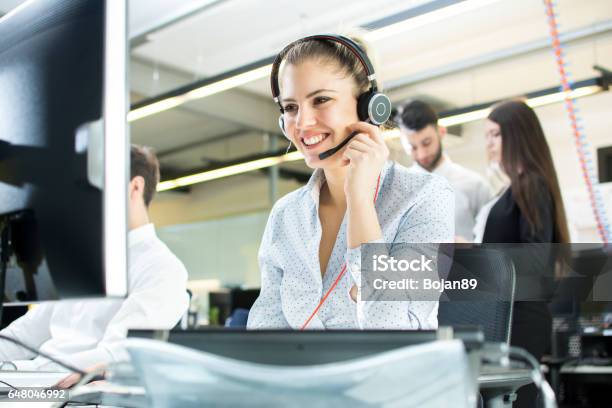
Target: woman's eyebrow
<point>310,95</point>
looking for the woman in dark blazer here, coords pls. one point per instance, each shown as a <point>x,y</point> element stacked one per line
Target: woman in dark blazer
<point>529,211</point>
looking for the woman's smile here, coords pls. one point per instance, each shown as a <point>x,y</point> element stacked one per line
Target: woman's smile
<point>312,140</point>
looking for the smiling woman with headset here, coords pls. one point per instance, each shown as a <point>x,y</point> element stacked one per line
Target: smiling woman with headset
<point>310,257</point>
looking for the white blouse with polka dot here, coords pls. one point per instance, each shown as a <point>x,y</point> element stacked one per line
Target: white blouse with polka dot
<point>411,208</point>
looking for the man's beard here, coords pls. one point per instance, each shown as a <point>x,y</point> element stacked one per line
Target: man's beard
<point>435,161</point>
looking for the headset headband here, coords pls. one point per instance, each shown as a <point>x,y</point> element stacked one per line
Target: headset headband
<point>347,42</point>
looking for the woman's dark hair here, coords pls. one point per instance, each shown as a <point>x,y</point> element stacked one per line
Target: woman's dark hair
<point>527,160</point>
<point>417,115</point>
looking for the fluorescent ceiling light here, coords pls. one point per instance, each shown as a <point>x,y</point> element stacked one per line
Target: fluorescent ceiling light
<point>228,171</point>
<point>464,117</point>
<point>387,134</point>
<point>534,102</point>
<point>293,156</point>
<point>155,107</point>
<point>201,92</point>
<point>561,96</point>
<point>230,83</point>
<point>427,19</point>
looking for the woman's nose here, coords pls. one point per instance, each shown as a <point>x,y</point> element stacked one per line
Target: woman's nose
<point>305,118</point>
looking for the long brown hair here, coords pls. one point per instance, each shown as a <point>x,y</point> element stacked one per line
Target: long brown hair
<point>527,160</point>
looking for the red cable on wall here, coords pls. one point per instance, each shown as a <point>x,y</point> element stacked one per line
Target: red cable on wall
<point>586,164</point>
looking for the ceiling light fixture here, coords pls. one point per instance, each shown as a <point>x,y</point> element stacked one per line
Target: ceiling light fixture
<point>211,87</point>
<point>425,19</point>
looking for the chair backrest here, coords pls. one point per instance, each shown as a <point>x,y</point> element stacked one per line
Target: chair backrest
<point>239,318</point>
<point>183,324</point>
<point>490,305</point>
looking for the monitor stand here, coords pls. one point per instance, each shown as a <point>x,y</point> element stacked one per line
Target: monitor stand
<point>5,232</point>
<point>19,238</point>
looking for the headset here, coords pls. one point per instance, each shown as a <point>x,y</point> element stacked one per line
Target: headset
<point>372,106</point>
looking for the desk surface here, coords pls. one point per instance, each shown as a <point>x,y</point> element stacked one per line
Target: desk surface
<point>20,379</point>
<point>495,377</point>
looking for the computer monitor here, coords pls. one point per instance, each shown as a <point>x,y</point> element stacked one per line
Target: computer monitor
<point>306,347</point>
<point>604,164</point>
<point>64,161</point>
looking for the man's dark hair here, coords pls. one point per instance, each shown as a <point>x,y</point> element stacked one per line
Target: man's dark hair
<point>144,163</point>
<point>416,115</point>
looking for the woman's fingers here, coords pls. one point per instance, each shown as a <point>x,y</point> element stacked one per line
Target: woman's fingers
<point>371,130</point>
<point>365,138</point>
<point>353,293</point>
<point>353,156</point>
<point>359,146</point>
<point>72,379</point>
<point>68,381</point>
<point>363,144</point>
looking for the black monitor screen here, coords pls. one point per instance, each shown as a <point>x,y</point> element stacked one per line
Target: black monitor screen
<point>51,82</point>
<point>604,160</point>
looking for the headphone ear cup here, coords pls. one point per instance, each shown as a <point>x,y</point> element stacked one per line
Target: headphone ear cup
<point>374,106</point>
<point>362,106</point>
<point>281,125</point>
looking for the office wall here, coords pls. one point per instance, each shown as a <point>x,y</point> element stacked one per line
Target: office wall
<point>223,249</point>
<point>215,199</point>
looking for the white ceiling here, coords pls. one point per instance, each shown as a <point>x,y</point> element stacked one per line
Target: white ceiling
<point>238,32</point>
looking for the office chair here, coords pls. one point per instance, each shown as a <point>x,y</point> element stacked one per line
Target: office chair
<point>238,319</point>
<point>490,305</point>
<point>183,324</point>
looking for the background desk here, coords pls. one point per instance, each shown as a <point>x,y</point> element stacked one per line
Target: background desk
<point>585,385</point>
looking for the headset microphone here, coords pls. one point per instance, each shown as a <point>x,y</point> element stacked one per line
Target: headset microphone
<point>334,150</point>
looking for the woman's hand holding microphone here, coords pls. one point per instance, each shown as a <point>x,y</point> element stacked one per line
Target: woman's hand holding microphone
<point>365,156</point>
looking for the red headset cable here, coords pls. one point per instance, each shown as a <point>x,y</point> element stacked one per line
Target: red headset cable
<point>340,275</point>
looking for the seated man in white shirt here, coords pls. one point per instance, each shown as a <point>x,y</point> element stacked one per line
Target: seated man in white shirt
<point>421,137</point>
<point>89,332</point>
